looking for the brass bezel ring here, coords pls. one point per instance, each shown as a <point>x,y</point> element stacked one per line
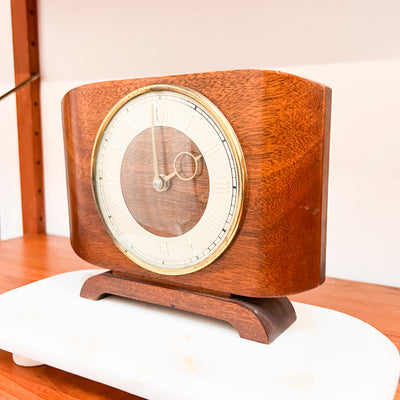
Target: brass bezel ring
<point>237,153</point>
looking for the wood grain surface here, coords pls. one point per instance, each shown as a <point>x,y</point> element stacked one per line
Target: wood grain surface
<point>28,259</point>
<point>26,64</point>
<point>177,210</point>
<point>261,320</point>
<point>282,123</point>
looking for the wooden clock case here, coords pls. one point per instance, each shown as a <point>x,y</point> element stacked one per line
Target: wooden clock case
<point>282,122</point>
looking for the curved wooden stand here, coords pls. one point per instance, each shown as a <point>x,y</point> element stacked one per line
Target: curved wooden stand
<point>258,319</point>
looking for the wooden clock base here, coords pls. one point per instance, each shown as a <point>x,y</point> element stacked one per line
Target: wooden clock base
<point>258,319</point>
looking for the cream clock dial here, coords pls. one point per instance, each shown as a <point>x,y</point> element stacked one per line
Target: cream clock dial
<point>168,177</point>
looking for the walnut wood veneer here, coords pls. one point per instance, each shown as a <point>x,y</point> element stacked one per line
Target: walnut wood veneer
<point>282,122</point>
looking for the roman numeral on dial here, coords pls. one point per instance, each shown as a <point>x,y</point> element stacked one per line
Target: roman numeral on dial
<point>160,114</point>
<point>109,180</point>
<point>189,246</point>
<point>220,187</point>
<point>134,120</point>
<point>115,146</point>
<point>189,122</point>
<point>212,149</point>
<point>212,221</point>
<point>117,211</point>
<point>163,249</point>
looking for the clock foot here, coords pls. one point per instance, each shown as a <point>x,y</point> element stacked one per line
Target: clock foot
<point>25,362</point>
<point>257,319</point>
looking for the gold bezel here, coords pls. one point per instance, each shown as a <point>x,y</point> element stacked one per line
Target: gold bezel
<point>237,152</point>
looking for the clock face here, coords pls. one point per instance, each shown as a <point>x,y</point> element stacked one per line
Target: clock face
<point>168,178</point>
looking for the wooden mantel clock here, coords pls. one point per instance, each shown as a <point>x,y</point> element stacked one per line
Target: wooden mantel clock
<point>202,192</point>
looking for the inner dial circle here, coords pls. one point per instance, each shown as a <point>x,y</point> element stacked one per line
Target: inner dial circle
<point>177,208</point>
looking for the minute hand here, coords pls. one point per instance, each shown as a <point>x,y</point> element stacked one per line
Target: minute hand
<point>153,145</point>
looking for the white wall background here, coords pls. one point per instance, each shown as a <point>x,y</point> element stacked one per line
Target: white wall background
<point>351,45</point>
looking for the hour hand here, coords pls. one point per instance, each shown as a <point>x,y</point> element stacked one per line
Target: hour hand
<point>175,171</point>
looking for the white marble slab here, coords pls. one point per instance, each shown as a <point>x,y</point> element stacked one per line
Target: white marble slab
<point>163,354</point>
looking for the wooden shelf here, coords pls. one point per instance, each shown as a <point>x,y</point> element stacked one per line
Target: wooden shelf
<point>30,258</point>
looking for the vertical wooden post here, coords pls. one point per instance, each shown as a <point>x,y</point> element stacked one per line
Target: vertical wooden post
<point>26,63</point>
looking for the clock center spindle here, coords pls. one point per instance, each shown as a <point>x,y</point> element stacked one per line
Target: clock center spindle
<point>160,184</point>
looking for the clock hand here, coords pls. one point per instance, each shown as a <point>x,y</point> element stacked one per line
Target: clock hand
<point>153,145</point>
<point>175,172</point>
<point>168,177</point>
<point>159,182</point>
